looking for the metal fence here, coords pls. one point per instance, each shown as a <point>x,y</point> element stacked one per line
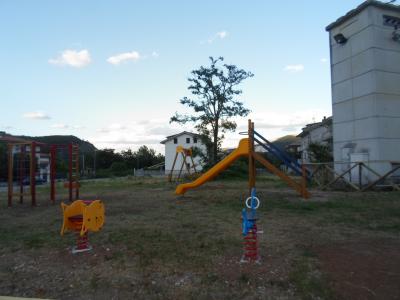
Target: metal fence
<point>358,176</point>
<point>148,173</point>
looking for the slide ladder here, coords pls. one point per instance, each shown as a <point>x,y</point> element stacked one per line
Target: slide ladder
<point>289,161</point>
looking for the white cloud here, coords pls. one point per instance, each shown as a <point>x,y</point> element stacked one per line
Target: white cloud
<point>60,126</point>
<point>128,142</point>
<point>148,132</point>
<point>323,60</point>
<point>36,115</point>
<point>294,68</point>
<point>73,58</point>
<point>162,130</point>
<point>117,126</point>
<point>222,34</point>
<point>219,35</point>
<point>155,54</point>
<point>112,127</point>
<point>103,130</point>
<point>124,57</point>
<point>78,127</point>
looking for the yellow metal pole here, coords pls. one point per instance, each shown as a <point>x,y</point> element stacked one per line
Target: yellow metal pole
<point>194,166</point>
<point>180,171</point>
<point>173,167</point>
<point>252,171</point>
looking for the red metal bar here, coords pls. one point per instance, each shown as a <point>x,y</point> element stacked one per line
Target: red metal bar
<point>70,171</point>
<point>21,173</point>
<point>76,148</point>
<point>53,154</point>
<point>10,174</point>
<point>33,173</point>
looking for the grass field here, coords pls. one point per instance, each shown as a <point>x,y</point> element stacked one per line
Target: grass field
<point>156,245</point>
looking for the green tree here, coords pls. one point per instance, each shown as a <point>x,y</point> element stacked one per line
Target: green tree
<point>320,152</point>
<point>105,158</point>
<point>215,103</point>
<point>129,158</point>
<point>147,157</point>
<point>119,168</point>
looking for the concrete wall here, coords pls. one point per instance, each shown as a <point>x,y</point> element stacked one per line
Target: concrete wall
<point>170,150</point>
<point>366,90</point>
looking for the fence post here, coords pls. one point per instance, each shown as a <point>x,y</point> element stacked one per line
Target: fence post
<point>303,180</point>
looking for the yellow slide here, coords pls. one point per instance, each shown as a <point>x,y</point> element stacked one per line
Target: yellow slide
<point>241,150</point>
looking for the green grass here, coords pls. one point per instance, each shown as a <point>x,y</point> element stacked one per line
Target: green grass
<point>154,242</point>
<point>309,282</point>
<point>374,211</point>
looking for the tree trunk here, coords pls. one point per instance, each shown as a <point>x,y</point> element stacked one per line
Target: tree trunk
<point>215,144</point>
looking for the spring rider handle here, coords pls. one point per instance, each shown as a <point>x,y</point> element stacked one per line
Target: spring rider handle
<point>249,218</point>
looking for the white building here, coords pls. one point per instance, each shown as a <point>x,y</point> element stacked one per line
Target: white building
<point>365,79</point>
<point>186,140</point>
<point>317,133</point>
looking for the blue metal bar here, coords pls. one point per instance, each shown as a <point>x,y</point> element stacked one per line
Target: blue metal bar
<point>281,153</point>
<point>288,160</point>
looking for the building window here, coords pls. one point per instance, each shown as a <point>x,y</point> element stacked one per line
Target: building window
<point>195,140</point>
<point>175,140</point>
<point>391,21</point>
<point>187,140</point>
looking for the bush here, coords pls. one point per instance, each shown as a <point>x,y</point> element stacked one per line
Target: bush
<point>239,169</point>
<point>103,173</point>
<point>119,168</point>
<point>320,152</point>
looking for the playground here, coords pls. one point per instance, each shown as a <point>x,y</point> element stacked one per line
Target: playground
<point>135,176</point>
<point>158,245</point>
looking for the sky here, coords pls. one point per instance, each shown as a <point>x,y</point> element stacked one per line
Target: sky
<point>113,72</point>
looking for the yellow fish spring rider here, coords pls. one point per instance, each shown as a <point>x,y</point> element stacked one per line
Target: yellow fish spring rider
<point>82,216</point>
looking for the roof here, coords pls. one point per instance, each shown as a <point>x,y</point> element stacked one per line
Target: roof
<point>177,135</point>
<point>8,138</point>
<point>12,139</point>
<point>361,7</point>
<point>312,126</point>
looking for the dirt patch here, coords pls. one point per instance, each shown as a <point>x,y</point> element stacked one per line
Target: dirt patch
<point>368,269</point>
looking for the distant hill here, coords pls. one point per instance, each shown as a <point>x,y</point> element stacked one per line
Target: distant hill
<point>84,146</point>
<point>282,142</point>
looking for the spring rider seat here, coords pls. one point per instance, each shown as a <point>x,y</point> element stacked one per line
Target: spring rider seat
<point>82,216</point>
